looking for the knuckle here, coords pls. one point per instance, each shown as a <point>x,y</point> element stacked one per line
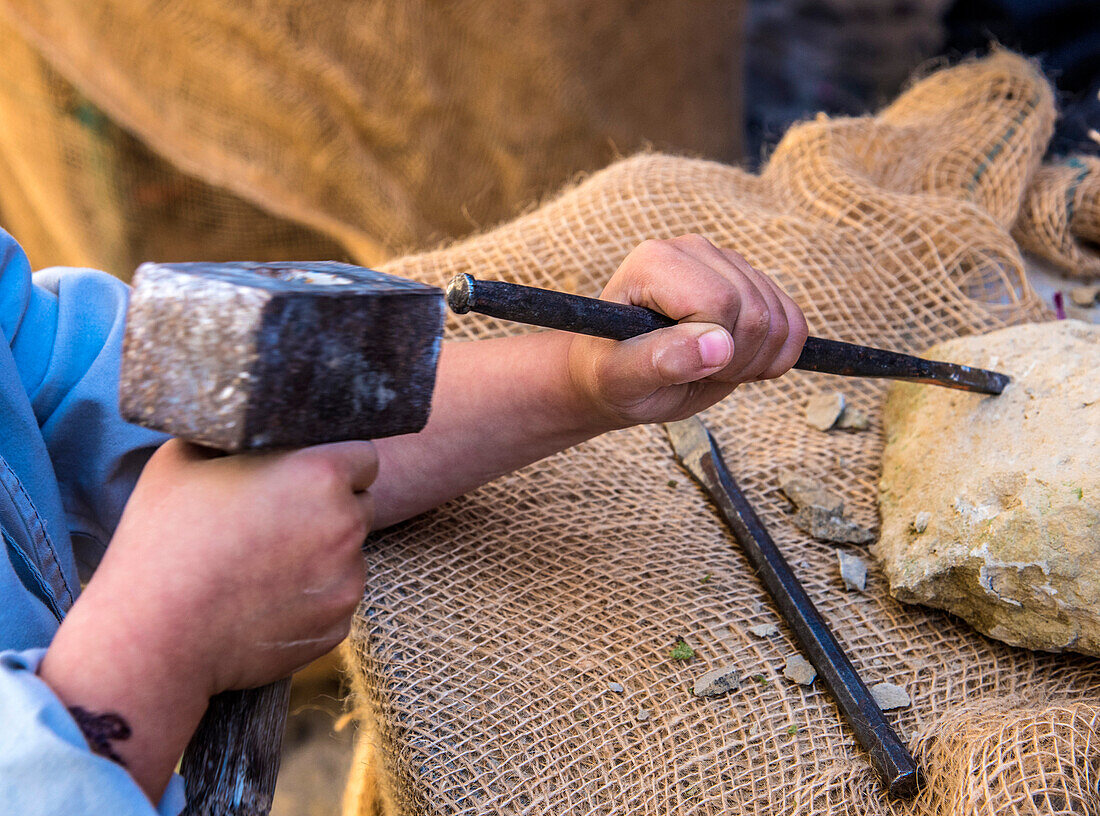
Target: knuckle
<point>735,257</point>
<point>692,239</point>
<point>776,369</point>
<point>757,321</point>
<point>366,452</point>
<point>671,358</point>
<point>353,527</point>
<point>322,474</point>
<point>800,330</point>
<point>778,327</point>
<point>655,249</point>
<point>727,303</point>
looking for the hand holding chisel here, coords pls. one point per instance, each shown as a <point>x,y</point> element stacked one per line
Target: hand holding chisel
<point>617,321</point>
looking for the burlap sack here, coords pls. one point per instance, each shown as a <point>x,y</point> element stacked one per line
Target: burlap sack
<point>384,125</point>
<point>1060,219</point>
<point>78,190</point>
<point>493,627</point>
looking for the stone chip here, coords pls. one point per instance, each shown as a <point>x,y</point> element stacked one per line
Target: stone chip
<point>798,670</point>
<point>806,491</point>
<point>853,571</point>
<point>820,511</point>
<point>717,682</point>
<point>853,419</point>
<point>831,527</point>
<point>889,696</point>
<point>823,410</point>
<point>764,630</point>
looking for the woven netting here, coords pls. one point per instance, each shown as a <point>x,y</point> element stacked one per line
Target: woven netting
<point>379,125</point>
<point>1060,218</point>
<point>493,626</point>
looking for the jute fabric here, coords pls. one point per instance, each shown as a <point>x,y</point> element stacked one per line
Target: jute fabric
<point>1060,219</point>
<point>493,629</point>
<point>380,125</point>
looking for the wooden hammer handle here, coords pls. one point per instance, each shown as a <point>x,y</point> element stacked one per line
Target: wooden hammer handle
<point>232,760</point>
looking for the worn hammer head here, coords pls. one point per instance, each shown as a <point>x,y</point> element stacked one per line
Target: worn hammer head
<point>253,355</point>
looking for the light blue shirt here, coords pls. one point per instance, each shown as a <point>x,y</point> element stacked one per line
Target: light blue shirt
<point>67,464</point>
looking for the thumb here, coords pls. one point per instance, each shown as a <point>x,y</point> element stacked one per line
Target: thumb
<point>679,354</point>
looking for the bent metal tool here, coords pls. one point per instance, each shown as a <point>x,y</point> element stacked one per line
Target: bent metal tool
<point>617,321</point>
<point>697,452</point>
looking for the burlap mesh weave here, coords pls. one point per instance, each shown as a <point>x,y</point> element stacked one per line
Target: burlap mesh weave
<point>375,125</point>
<point>493,626</point>
<point>1060,219</point>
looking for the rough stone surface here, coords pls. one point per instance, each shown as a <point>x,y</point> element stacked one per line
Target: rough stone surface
<point>889,696</point>
<point>1010,485</point>
<point>820,511</point>
<point>616,687</point>
<point>853,571</point>
<point>717,682</point>
<point>764,630</point>
<point>823,410</point>
<point>798,670</point>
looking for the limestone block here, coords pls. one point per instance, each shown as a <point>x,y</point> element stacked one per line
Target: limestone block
<point>991,505</point>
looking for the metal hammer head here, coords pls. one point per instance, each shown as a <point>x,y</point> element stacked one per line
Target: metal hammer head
<point>253,355</point>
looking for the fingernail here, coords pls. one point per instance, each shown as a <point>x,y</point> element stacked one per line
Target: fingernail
<point>715,348</point>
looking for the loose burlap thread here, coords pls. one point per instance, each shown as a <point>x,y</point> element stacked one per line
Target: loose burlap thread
<point>494,628</point>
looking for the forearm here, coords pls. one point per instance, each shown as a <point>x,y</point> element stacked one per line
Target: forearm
<point>97,663</point>
<point>498,405</point>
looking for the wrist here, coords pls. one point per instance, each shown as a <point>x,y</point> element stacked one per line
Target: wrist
<point>101,663</point>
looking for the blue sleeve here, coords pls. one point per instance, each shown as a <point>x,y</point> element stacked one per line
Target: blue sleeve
<point>66,338</point>
<point>45,765</point>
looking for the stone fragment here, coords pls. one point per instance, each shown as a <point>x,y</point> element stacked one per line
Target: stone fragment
<point>853,419</point>
<point>618,688</point>
<point>798,670</point>
<point>831,527</point>
<point>823,410</point>
<point>853,571</point>
<point>806,491</point>
<point>764,630</point>
<point>920,521</point>
<point>1084,296</point>
<point>644,714</point>
<point>717,682</point>
<point>821,511</point>
<point>889,696</point>
<point>1013,484</point>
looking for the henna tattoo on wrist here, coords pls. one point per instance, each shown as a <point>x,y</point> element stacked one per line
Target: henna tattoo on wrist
<point>101,730</point>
